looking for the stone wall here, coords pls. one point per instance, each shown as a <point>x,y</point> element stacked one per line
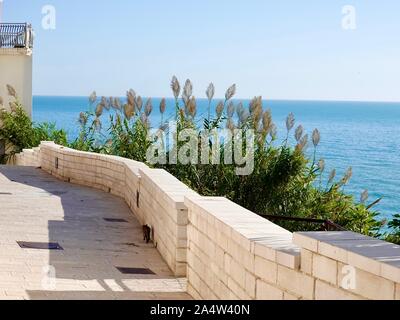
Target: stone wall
<point>224,250</point>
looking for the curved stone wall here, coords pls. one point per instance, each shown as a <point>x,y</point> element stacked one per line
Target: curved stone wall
<point>224,250</point>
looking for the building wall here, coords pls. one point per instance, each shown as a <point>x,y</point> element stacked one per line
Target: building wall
<point>16,70</point>
<point>224,250</point>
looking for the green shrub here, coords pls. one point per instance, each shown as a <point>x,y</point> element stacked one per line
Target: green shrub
<point>19,132</point>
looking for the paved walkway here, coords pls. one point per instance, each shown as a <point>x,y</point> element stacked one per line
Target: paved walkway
<point>36,207</point>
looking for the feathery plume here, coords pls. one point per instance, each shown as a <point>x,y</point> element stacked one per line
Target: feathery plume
<point>148,108</point>
<point>117,103</point>
<point>103,103</point>
<point>176,87</point>
<point>316,137</point>
<point>290,120</point>
<point>321,165</point>
<point>93,97</point>
<point>11,91</point>
<point>230,109</point>
<point>210,92</point>
<point>239,109</point>
<point>97,124</point>
<point>13,106</point>
<point>129,111</point>
<point>83,118</point>
<point>163,105</point>
<point>220,109</point>
<point>255,105</point>
<point>364,196</point>
<point>192,107</point>
<point>145,120</point>
<point>274,131</point>
<point>230,92</point>
<point>299,133</point>
<point>303,142</point>
<point>185,100</point>
<point>348,175</point>
<point>257,115</point>
<point>99,110</point>
<point>131,95</point>
<point>267,121</point>
<point>139,103</point>
<point>230,124</point>
<point>244,116</point>
<point>188,89</point>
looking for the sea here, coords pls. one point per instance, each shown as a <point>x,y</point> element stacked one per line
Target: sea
<point>361,135</point>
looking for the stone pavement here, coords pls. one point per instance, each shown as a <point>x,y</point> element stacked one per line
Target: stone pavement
<point>36,207</point>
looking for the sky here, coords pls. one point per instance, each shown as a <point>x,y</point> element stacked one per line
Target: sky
<point>278,49</point>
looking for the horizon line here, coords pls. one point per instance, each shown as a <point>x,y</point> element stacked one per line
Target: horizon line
<point>216,99</point>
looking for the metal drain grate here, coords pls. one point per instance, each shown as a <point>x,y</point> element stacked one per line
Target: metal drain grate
<point>124,270</point>
<point>58,193</point>
<point>5,194</point>
<point>40,245</point>
<point>115,220</point>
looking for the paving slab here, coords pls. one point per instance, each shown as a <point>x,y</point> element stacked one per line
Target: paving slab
<point>36,207</point>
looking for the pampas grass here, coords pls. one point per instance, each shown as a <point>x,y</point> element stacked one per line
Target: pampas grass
<point>176,87</point>
<point>230,92</point>
<point>11,91</point>
<point>92,98</point>
<point>299,133</point>
<point>230,110</point>
<point>210,95</point>
<point>99,110</point>
<point>316,137</point>
<point>220,109</point>
<point>139,103</point>
<point>148,108</point>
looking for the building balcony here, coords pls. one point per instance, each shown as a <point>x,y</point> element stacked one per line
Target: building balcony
<point>16,43</point>
<point>16,38</point>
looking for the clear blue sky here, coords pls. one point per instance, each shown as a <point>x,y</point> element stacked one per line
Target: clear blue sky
<point>279,49</point>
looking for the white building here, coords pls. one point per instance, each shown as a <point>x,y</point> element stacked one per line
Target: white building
<point>16,43</point>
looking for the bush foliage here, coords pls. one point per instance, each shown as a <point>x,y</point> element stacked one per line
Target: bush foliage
<point>18,132</point>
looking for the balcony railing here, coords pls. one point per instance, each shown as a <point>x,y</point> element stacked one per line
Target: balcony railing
<point>16,35</point>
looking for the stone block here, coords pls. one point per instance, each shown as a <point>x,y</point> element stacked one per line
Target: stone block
<point>266,291</point>
<point>325,269</point>
<point>266,270</point>
<point>306,261</point>
<point>324,291</point>
<point>296,282</point>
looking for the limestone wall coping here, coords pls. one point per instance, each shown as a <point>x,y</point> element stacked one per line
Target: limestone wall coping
<point>369,254</point>
<point>251,231</point>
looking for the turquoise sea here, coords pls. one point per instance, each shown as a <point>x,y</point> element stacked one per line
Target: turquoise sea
<point>363,135</point>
